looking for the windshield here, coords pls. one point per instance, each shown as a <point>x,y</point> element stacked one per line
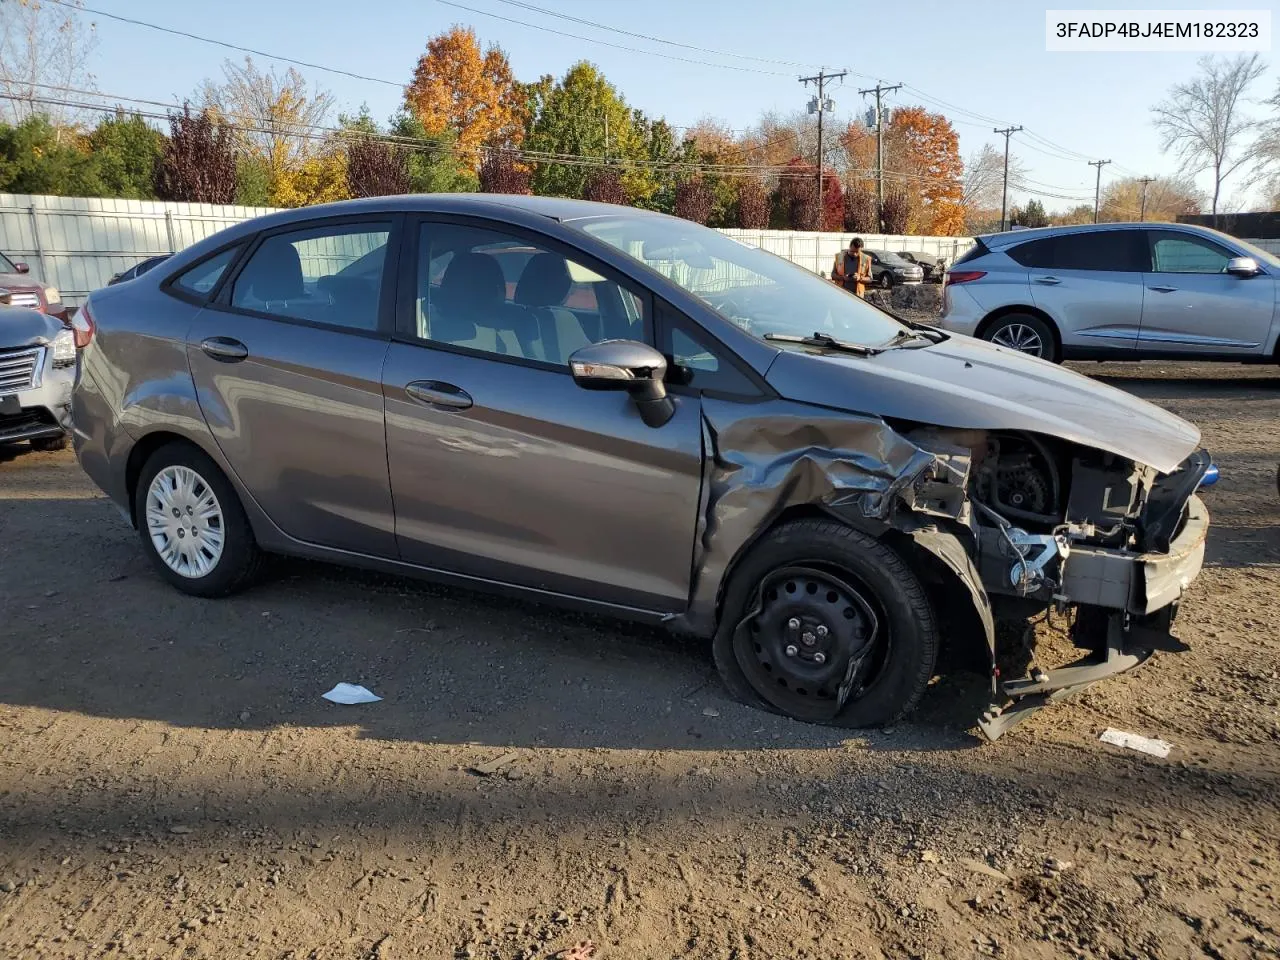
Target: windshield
<point>760,292</point>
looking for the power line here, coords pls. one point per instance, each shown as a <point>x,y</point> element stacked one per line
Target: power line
<point>645,36</point>
<point>606,43</point>
<point>225,44</point>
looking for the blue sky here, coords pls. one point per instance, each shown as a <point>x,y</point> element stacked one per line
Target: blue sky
<point>984,56</point>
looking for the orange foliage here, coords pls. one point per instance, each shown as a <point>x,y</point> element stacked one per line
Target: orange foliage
<point>926,148</point>
<point>474,95</point>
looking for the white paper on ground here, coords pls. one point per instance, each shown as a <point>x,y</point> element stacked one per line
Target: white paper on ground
<point>1131,741</point>
<point>348,693</point>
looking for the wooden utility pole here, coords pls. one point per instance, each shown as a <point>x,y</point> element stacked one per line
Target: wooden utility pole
<point>1144,181</point>
<point>1004,197</point>
<point>821,101</point>
<point>879,89</point>
<point>1097,190</point>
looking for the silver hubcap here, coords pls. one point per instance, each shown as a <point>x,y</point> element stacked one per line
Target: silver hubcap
<point>1020,337</point>
<point>184,520</point>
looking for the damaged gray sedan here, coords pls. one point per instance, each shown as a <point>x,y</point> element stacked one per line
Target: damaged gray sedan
<point>630,413</point>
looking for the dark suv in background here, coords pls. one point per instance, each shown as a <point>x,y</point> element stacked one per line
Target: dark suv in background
<point>1118,291</point>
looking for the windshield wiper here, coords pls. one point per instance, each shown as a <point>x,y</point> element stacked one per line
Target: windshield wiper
<point>826,341</point>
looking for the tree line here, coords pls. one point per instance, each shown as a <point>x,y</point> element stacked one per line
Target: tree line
<point>260,137</point>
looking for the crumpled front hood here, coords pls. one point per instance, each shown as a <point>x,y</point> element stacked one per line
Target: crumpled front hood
<point>20,327</point>
<point>968,383</point>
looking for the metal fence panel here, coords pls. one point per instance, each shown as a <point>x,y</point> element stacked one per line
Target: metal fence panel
<point>77,243</point>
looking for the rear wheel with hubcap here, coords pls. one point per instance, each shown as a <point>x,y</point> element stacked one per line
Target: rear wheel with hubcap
<point>825,624</point>
<point>192,524</point>
<point>1024,333</point>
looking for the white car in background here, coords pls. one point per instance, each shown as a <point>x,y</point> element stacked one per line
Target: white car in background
<point>37,372</point>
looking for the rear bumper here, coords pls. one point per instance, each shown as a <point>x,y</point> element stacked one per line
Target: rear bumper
<point>1139,583</point>
<point>960,312</point>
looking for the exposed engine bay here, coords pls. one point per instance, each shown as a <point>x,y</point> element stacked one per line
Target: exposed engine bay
<point>1057,526</point>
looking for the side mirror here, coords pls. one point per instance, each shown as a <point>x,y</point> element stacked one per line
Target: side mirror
<point>626,365</point>
<point>1242,267</point>
<point>21,267</point>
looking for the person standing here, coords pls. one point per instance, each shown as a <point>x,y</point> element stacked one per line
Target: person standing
<point>852,268</point>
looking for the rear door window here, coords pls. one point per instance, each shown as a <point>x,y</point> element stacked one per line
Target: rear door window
<point>1105,251</point>
<point>199,281</point>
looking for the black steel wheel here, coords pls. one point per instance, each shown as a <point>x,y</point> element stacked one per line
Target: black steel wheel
<point>825,624</point>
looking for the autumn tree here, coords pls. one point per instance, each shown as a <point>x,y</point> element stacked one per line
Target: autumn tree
<point>752,204</point>
<point>694,200</point>
<point>199,162</point>
<point>795,200</point>
<point>322,178</point>
<point>860,210</point>
<point>1080,213</point>
<point>459,88</point>
<point>585,116</point>
<point>983,186</point>
<point>896,212</point>
<point>376,168</point>
<point>604,185</point>
<point>502,173</point>
<point>832,203</point>
<point>1167,198</point>
<point>926,149</point>
<point>276,117</point>
<point>1203,123</point>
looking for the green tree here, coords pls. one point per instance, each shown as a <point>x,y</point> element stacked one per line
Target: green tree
<point>32,160</point>
<point>433,163</point>
<point>126,150</point>
<point>1032,215</point>
<point>253,182</point>
<point>584,115</point>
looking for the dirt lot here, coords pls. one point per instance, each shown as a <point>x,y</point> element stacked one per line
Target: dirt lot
<point>172,784</point>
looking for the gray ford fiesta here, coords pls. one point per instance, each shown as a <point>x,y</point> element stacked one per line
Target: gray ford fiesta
<point>627,412</point>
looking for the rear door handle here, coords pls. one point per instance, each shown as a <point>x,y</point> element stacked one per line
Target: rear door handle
<point>1163,289</point>
<point>1049,280</point>
<point>225,349</point>
<point>438,394</point>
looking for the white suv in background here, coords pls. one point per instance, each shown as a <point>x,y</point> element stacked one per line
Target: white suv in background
<point>1118,291</point>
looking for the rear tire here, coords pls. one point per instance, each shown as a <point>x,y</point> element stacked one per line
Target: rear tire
<point>192,525</point>
<point>850,569</point>
<point>1024,333</point>
<point>49,444</point>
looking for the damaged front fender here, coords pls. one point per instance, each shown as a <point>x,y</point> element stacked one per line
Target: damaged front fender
<point>766,459</point>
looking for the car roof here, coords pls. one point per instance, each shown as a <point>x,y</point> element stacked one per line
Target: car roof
<point>555,208</point>
<point>996,241</point>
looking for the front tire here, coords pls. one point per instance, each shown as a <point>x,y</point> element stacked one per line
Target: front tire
<point>1024,333</point>
<point>886,281</point>
<point>818,611</point>
<point>192,525</point>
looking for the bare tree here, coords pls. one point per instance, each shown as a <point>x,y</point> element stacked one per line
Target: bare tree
<point>1202,124</point>
<point>277,117</point>
<point>984,178</point>
<point>44,54</point>
<point>1268,153</point>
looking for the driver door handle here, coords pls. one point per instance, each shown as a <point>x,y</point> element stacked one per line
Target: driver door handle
<point>224,349</point>
<point>1049,280</point>
<point>434,393</point>
<point>1163,289</point>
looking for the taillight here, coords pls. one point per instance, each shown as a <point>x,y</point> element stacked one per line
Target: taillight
<point>83,326</point>
<point>964,276</point>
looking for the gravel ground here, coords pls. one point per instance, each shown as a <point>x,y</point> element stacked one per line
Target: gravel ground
<point>172,785</point>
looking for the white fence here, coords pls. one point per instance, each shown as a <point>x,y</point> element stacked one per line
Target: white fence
<point>77,243</point>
